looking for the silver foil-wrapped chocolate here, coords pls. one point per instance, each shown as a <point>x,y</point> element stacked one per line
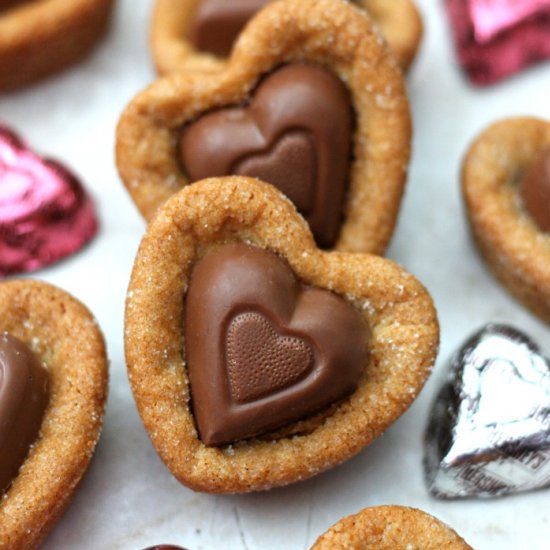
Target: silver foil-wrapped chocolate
<point>489,429</point>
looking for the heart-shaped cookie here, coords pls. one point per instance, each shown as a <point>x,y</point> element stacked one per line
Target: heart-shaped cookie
<point>295,134</point>
<point>390,528</point>
<point>168,285</point>
<point>45,213</point>
<point>63,336</point>
<point>199,34</point>
<point>44,36</point>
<point>509,239</point>
<point>264,350</point>
<point>339,41</point>
<point>489,433</point>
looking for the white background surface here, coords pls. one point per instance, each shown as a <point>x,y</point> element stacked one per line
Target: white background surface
<point>129,500</point>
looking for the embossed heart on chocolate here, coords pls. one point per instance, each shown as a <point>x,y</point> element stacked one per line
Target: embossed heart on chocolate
<point>45,213</point>
<point>295,134</point>
<point>489,432</point>
<point>23,400</point>
<point>263,350</point>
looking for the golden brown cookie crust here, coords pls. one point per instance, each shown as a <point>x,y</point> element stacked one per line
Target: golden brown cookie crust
<point>236,209</point>
<point>65,337</point>
<point>328,33</point>
<point>399,21</point>
<point>515,249</point>
<point>390,528</point>
<point>41,37</point>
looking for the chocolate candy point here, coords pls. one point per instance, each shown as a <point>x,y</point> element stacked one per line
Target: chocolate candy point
<point>217,23</point>
<point>262,349</point>
<point>296,133</point>
<point>489,433</point>
<point>23,400</point>
<point>534,189</point>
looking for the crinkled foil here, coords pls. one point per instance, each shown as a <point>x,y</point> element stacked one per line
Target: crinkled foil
<point>497,38</point>
<point>489,429</point>
<point>45,213</point>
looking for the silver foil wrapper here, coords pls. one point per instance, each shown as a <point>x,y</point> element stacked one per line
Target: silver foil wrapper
<point>489,429</point>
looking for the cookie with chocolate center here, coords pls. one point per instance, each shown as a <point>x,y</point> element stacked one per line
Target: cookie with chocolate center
<point>320,111</point>
<point>199,34</point>
<point>506,186</point>
<point>53,386</point>
<point>42,37</point>
<point>257,359</point>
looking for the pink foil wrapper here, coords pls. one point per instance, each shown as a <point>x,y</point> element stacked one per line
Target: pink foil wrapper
<point>45,213</point>
<point>497,38</point>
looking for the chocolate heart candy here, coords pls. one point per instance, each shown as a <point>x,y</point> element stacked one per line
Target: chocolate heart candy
<point>262,350</point>
<point>296,134</point>
<point>534,188</point>
<point>23,400</point>
<point>489,431</point>
<point>217,23</point>
<point>45,213</point>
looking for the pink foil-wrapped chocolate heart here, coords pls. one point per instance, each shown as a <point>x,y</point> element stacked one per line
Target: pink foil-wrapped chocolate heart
<point>497,38</point>
<point>45,213</point>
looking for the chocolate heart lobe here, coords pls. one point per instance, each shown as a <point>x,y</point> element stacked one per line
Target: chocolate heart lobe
<point>23,400</point>
<point>295,133</point>
<point>262,349</point>
<point>217,23</point>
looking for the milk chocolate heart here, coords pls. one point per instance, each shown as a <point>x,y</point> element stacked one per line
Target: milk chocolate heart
<point>23,400</point>
<point>262,350</point>
<point>45,213</point>
<point>274,334</point>
<point>489,432</point>
<point>338,146</point>
<point>217,23</point>
<point>296,134</point>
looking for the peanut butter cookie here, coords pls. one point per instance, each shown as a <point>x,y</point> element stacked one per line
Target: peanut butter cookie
<point>320,111</point>
<point>199,34</point>
<point>53,386</point>
<point>40,37</point>
<point>506,186</point>
<point>256,359</point>
<point>390,528</point>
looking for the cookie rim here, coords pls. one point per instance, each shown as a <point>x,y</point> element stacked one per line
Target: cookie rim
<point>313,34</point>
<point>73,419</point>
<point>401,26</point>
<point>186,222</point>
<point>512,246</point>
<point>33,33</point>
<point>376,518</point>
